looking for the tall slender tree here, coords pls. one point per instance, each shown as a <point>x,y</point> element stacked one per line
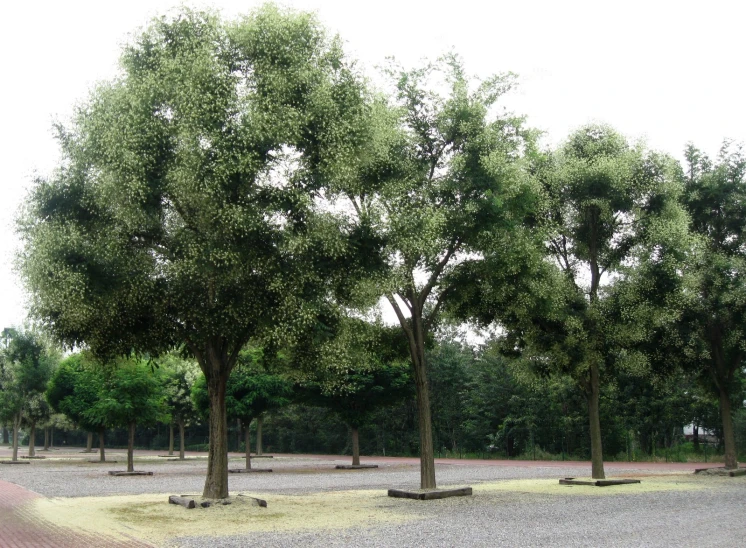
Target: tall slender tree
<point>710,334</point>
<point>605,204</point>
<point>441,174</point>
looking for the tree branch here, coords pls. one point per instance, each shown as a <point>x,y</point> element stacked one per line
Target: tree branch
<point>437,272</point>
<point>431,317</point>
<point>402,320</point>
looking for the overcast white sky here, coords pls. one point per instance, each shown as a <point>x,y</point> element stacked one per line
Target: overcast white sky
<point>666,71</point>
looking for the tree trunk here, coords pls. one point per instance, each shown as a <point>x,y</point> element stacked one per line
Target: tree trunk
<point>217,373</point>
<point>247,441</point>
<point>171,438</point>
<point>6,436</point>
<point>101,452</point>
<point>181,440</point>
<point>16,426</point>
<point>355,447</point>
<point>46,438</point>
<point>131,449</point>
<point>89,443</point>
<point>729,439</point>
<point>695,437</point>
<point>51,436</point>
<point>259,421</point>
<point>414,329</point>
<point>32,441</point>
<point>593,393</point>
<point>425,423</point>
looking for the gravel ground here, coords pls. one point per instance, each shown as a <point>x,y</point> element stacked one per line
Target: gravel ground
<point>291,475</point>
<point>709,516</point>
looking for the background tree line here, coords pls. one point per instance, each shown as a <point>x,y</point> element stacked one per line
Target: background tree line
<point>485,405</point>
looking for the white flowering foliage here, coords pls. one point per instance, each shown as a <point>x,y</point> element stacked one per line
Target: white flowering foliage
<point>184,210</point>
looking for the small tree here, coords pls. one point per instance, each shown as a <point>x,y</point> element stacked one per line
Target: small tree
<point>356,394</point>
<point>250,394</point>
<point>25,367</point>
<point>73,390</point>
<point>37,411</point>
<point>131,394</point>
<point>178,377</point>
<point>361,370</point>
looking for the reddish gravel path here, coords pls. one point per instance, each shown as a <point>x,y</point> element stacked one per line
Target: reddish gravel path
<point>21,527</point>
<point>651,467</point>
<point>75,452</point>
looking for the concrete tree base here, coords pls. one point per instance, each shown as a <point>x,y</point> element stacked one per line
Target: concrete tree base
<point>430,494</point>
<point>136,473</point>
<point>355,466</point>
<point>188,501</point>
<point>15,462</point>
<point>181,501</point>
<point>249,471</point>
<point>597,483</point>
<point>721,471</point>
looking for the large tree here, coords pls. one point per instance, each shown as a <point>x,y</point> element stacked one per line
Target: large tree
<point>441,174</point>
<point>183,212</point>
<point>26,365</point>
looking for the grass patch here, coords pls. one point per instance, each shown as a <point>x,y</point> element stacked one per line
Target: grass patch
<point>552,487</point>
<point>151,518</point>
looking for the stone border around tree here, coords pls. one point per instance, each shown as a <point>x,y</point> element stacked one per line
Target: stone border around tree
<point>355,466</point>
<point>598,483</point>
<point>248,471</point>
<point>135,473</point>
<point>188,502</point>
<point>430,494</point>
<point>721,471</point>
